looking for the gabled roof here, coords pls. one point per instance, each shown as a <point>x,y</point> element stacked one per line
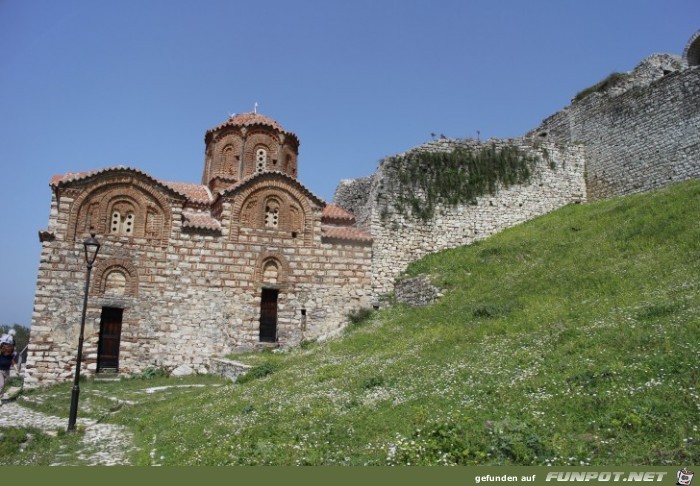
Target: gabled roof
<point>337,223</point>
<point>198,193</point>
<point>273,174</point>
<point>194,193</point>
<point>347,233</point>
<point>192,219</point>
<point>336,215</point>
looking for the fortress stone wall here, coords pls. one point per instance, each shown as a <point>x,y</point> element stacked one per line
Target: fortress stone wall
<point>399,239</point>
<point>640,133</point>
<point>633,132</point>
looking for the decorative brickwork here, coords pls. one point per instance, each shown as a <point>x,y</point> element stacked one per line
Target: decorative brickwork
<point>273,207</point>
<point>119,204</point>
<point>115,277</point>
<point>272,270</point>
<point>245,145</point>
<point>206,265</point>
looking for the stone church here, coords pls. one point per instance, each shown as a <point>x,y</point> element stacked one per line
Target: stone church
<point>249,258</point>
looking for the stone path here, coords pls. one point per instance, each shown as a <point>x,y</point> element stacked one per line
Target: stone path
<point>101,444</point>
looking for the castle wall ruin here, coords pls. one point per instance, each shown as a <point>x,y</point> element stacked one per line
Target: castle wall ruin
<point>633,132</point>
<point>399,239</point>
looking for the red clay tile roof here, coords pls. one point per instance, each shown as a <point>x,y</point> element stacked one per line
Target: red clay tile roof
<point>337,215</point>
<point>243,182</point>
<point>76,176</point>
<point>250,119</point>
<point>199,221</point>
<point>195,193</point>
<point>200,194</point>
<point>347,233</point>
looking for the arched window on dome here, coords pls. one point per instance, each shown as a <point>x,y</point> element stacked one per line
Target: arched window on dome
<point>229,158</point>
<point>260,159</point>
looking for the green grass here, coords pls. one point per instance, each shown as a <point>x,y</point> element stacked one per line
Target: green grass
<point>568,340</point>
<point>601,86</point>
<point>20,446</point>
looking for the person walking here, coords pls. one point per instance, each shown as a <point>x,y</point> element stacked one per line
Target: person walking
<point>8,357</point>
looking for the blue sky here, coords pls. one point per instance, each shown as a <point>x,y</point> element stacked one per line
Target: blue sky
<point>87,84</point>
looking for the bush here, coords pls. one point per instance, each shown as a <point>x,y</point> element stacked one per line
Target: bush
<point>14,381</point>
<point>373,382</point>
<point>256,372</point>
<point>426,180</point>
<point>601,86</point>
<point>152,372</point>
<point>359,316</point>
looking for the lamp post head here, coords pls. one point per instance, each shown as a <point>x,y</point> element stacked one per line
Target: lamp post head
<point>92,246</point>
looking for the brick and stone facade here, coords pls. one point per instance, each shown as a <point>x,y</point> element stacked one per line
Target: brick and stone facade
<point>185,268</point>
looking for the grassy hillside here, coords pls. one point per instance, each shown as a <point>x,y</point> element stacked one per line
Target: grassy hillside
<point>572,339</point>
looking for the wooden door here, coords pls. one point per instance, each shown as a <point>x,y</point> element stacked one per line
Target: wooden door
<point>268,316</point>
<point>110,335</point>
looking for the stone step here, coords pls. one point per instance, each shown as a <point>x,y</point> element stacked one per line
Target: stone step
<point>11,393</point>
<point>107,377</point>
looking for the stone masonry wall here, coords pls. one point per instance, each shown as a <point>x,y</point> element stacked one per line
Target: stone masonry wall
<point>417,291</point>
<point>183,303</point>
<point>636,132</point>
<point>400,239</point>
<point>640,133</point>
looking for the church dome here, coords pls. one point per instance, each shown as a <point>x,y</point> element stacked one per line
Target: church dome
<point>247,144</point>
<point>249,120</point>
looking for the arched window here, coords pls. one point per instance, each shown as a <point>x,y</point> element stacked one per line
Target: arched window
<point>123,219</point>
<point>116,278</point>
<point>229,158</point>
<point>115,283</point>
<point>116,222</point>
<point>272,213</point>
<point>154,224</point>
<point>270,271</point>
<point>260,159</point>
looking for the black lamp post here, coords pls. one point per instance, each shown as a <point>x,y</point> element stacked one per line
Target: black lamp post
<point>92,246</point>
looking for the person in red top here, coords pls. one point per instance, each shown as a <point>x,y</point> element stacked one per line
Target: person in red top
<point>8,358</point>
